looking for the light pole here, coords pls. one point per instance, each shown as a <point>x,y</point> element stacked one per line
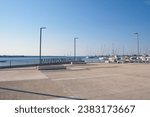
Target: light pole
<point>75,47</point>
<point>138,51</point>
<point>40,43</point>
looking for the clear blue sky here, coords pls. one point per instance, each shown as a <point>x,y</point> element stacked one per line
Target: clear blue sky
<point>100,25</point>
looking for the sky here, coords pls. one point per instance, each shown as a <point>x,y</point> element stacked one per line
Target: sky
<point>102,27</point>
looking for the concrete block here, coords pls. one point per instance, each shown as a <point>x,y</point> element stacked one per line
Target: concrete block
<point>51,67</point>
<point>77,62</point>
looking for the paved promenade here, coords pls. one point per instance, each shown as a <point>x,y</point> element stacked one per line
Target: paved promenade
<point>89,81</point>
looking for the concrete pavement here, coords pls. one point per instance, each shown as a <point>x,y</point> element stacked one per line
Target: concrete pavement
<point>91,81</point>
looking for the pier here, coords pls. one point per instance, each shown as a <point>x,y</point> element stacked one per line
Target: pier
<point>85,81</point>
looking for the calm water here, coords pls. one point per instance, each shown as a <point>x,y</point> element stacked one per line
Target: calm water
<point>9,61</point>
<point>29,60</point>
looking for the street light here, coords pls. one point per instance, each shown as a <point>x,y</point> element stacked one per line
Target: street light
<point>40,43</point>
<point>75,47</point>
<point>137,37</point>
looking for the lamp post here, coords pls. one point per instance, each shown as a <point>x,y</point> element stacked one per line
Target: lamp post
<point>75,47</point>
<point>40,43</point>
<point>138,51</point>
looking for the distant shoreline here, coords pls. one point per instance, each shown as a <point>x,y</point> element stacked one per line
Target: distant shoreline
<point>12,56</point>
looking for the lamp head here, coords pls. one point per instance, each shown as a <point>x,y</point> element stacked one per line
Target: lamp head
<point>43,28</point>
<point>76,38</point>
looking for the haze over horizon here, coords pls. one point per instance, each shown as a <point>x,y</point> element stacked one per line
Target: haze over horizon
<point>101,25</point>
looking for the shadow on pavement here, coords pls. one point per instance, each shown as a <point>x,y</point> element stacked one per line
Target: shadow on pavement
<point>37,93</point>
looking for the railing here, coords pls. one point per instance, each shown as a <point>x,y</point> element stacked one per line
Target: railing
<point>60,61</point>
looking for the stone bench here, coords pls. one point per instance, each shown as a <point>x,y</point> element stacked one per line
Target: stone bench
<point>51,67</point>
<point>78,62</point>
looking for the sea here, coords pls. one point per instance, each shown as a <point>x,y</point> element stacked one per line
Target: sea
<point>9,61</point>
<point>13,61</point>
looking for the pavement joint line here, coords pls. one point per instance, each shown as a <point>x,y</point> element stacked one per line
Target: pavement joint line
<point>77,78</point>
